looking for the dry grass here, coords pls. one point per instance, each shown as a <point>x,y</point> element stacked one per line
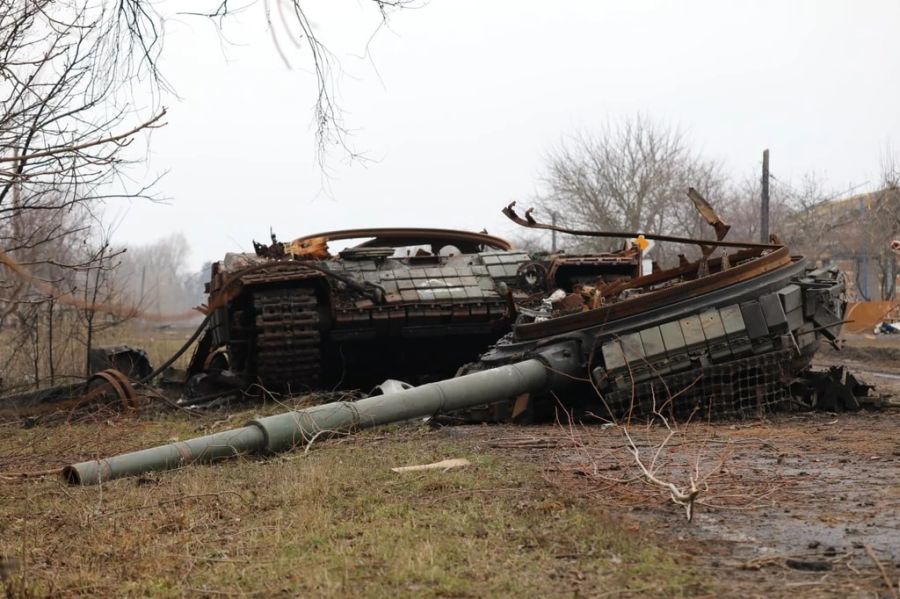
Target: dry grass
<point>333,522</point>
<point>17,367</point>
<point>159,343</point>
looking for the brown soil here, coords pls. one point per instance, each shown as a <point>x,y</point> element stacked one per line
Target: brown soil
<point>802,505</point>
<point>875,359</point>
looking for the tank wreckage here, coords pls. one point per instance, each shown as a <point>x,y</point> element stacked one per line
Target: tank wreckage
<point>729,334</point>
<point>415,303</point>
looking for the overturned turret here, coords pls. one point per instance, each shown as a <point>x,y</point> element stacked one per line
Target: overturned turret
<point>720,336</point>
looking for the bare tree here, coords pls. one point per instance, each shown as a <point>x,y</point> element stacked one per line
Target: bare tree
<point>155,278</point>
<point>67,69</point>
<point>61,133</point>
<point>64,118</point>
<point>63,126</point>
<point>884,221</point>
<point>295,37</point>
<point>631,175</point>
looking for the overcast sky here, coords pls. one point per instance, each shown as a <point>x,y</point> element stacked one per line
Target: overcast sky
<point>458,103</point>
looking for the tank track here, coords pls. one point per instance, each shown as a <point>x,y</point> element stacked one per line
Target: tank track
<point>288,355</point>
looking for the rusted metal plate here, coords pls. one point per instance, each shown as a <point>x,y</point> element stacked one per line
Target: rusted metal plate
<point>708,213</point>
<point>115,381</point>
<point>471,242</point>
<point>656,299</point>
<point>864,316</point>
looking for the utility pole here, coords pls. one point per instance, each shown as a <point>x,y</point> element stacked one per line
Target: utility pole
<point>553,236</point>
<point>764,206</point>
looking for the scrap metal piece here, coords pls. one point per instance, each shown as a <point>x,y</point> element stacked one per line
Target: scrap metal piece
<point>532,276</point>
<point>707,211</point>
<point>110,380</point>
<point>531,223</point>
<point>729,344</point>
<point>131,361</point>
<point>389,386</point>
<point>393,237</point>
<point>108,384</point>
<point>834,389</point>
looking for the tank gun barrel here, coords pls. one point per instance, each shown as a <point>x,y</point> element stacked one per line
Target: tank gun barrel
<point>283,432</point>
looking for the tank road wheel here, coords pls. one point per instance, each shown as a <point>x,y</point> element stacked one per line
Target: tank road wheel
<point>288,356</point>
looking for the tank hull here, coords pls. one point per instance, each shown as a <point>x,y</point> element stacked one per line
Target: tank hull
<point>290,323</point>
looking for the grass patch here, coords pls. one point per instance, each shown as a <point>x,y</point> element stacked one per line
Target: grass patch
<point>334,522</point>
<point>24,366</point>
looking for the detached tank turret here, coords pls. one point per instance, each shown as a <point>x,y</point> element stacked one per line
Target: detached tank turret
<point>417,303</point>
<point>722,336</point>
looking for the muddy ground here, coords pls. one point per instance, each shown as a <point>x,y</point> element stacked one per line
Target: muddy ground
<point>795,505</point>
<point>788,507</point>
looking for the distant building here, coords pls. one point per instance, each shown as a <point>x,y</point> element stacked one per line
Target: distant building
<point>855,234</point>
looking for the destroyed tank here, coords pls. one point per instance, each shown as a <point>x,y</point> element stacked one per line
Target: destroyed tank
<point>417,303</point>
<point>723,336</point>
